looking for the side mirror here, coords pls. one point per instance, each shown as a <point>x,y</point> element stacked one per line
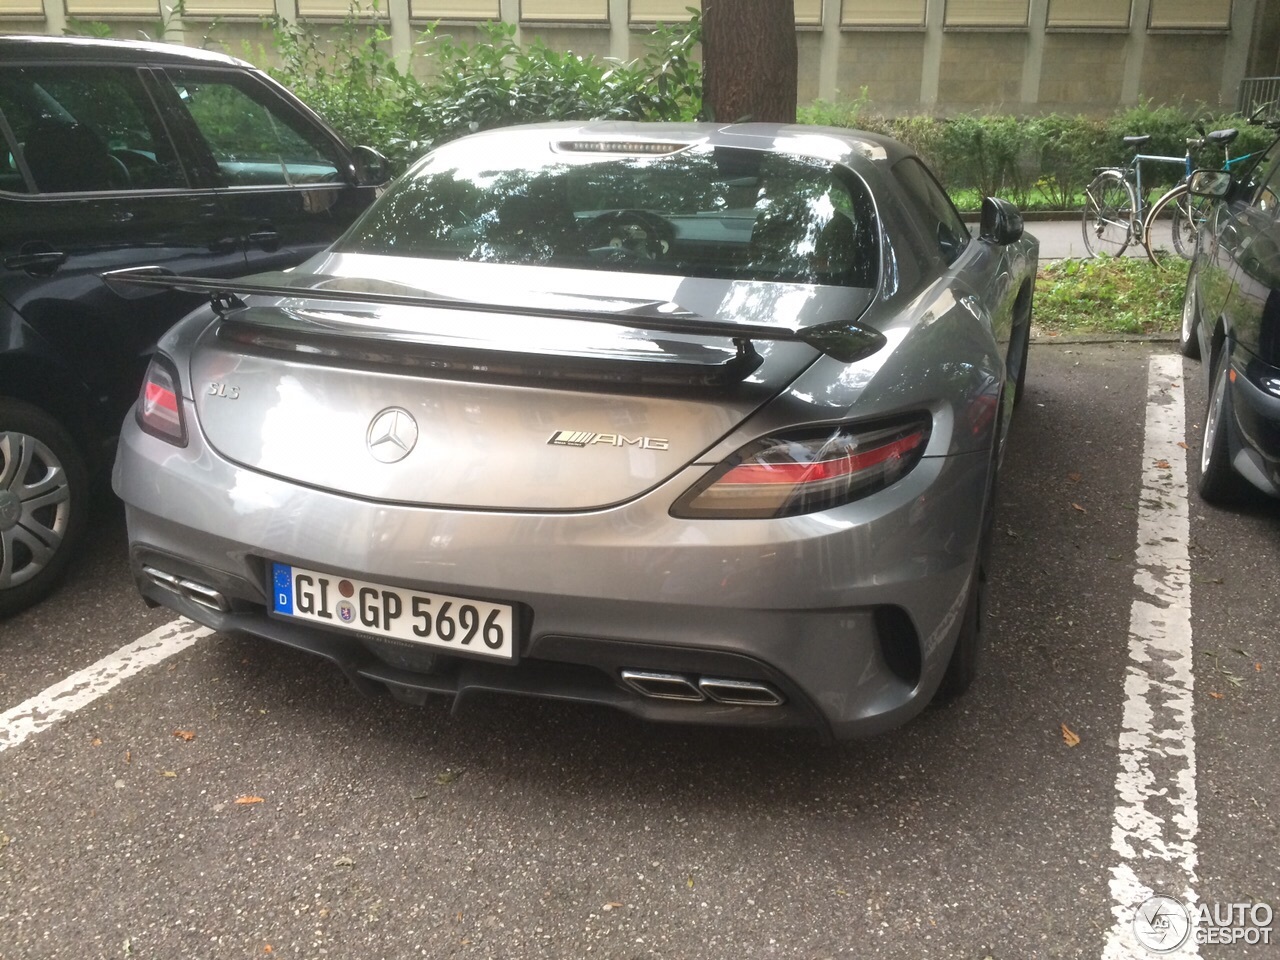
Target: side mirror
<point>372,168</point>
<point>1001,222</point>
<point>1212,184</point>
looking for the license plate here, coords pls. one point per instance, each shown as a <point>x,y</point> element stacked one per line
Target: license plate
<point>430,619</point>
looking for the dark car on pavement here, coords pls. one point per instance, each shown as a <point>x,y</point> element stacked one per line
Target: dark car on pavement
<point>113,155</point>
<point>1231,318</point>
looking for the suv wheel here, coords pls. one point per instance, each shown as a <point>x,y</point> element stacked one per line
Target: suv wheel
<point>43,499</point>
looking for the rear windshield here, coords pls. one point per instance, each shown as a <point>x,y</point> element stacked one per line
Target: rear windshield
<point>702,212</point>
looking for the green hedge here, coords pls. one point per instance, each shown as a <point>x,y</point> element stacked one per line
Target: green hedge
<point>355,84</point>
<point>1042,161</point>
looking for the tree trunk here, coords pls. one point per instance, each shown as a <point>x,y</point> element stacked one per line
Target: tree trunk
<point>749,60</point>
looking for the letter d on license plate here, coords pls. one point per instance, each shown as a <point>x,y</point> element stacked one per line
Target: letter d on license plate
<point>436,620</point>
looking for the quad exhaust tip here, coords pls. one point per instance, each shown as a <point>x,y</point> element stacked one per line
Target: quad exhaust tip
<point>676,686</point>
<point>198,593</point>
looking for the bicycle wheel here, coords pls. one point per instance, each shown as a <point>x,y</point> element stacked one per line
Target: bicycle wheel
<point>1107,223</point>
<point>1186,214</point>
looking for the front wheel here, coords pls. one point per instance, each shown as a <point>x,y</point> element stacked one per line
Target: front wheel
<point>1185,212</point>
<point>43,498</point>
<point>1189,337</point>
<point>1219,482</point>
<point>1107,223</point>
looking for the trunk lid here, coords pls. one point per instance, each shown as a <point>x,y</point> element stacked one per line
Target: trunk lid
<point>494,410</point>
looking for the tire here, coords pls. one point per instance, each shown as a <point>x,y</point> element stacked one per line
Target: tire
<point>1107,223</point>
<point>44,495</point>
<point>1189,336</point>
<point>1185,216</point>
<point>1219,482</point>
<point>1021,350</point>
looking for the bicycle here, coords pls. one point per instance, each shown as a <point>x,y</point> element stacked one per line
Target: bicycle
<point>1116,209</point>
<point>1189,212</point>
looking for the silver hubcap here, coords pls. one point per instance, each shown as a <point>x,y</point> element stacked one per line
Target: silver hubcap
<point>1213,419</point>
<point>35,507</point>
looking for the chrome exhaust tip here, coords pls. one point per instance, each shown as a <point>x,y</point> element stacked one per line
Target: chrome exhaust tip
<point>198,593</point>
<point>741,693</point>
<point>662,686</point>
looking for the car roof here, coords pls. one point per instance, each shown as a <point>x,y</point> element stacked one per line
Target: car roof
<point>91,49</point>
<point>834,144</point>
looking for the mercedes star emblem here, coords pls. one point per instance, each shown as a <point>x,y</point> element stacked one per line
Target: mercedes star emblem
<point>392,435</point>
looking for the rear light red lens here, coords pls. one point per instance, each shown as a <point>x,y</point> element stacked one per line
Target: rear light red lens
<point>159,410</point>
<point>792,474</point>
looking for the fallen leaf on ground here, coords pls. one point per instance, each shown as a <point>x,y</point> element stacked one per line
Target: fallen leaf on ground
<point>611,905</point>
<point>1162,464</point>
<point>1216,696</point>
<point>448,776</point>
<point>1076,506</point>
<point>97,741</point>
<point>1258,667</point>
<point>267,948</point>
<point>1069,736</point>
<point>128,756</point>
<point>1183,445</point>
<point>248,799</point>
<point>419,795</point>
<point>344,862</point>
<point>689,883</point>
<point>185,735</point>
<point>169,773</point>
<point>1074,477</point>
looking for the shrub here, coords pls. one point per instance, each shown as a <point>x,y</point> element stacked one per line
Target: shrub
<point>357,86</point>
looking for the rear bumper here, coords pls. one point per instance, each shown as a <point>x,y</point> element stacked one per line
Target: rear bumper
<point>798,605</point>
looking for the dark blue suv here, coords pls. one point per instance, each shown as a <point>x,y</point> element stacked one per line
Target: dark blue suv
<point>1231,318</point>
<point>114,155</point>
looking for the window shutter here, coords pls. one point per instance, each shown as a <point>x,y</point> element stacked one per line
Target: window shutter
<point>454,9</point>
<point>986,13</point>
<point>590,10</point>
<point>111,8</point>
<point>883,13</point>
<point>1191,14</point>
<point>1089,13</point>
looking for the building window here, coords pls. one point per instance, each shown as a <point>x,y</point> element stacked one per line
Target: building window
<point>808,12</point>
<point>454,9</point>
<point>111,8</point>
<point>230,8</point>
<point>986,13</point>
<point>1095,14</point>
<point>23,8</point>
<point>565,10</point>
<point>883,13</point>
<point>1190,15</point>
<point>338,8</point>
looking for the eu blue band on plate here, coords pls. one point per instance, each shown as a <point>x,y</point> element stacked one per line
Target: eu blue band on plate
<point>282,578</point>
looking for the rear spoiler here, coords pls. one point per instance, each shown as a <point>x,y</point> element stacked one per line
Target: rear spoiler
<point>843,341</point>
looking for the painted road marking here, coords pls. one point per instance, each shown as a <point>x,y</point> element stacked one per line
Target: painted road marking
<point>1154,833</point>
<point>82,688</point>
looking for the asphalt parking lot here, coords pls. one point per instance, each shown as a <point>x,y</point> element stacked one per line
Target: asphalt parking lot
<point>236,799</point>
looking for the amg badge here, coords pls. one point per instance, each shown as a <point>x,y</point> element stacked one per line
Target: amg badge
<point>585,438</point>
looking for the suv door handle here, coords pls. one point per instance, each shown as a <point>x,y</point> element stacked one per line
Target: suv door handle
<point>37,264</point>
<point>268,240</point>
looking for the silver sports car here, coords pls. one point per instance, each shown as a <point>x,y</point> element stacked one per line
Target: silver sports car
<point>698,421</point>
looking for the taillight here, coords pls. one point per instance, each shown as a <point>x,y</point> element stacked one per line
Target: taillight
<point>159,409</point>
<point>804,472</point>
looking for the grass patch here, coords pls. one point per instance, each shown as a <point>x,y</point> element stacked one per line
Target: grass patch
<point>1110,295</point>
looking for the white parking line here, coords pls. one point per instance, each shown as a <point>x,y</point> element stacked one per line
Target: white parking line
<point>1154,833</point>
<point>82,688</point>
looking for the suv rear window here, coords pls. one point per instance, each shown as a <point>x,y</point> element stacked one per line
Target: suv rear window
<point>696,211</point>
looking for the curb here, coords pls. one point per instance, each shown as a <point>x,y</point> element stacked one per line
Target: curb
<point>1066,339</point>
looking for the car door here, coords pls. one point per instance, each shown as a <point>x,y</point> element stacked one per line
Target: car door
<point>96,183</point>
<point>286,183</point>
<point>1254,245</point>
<point>1235,227</point>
